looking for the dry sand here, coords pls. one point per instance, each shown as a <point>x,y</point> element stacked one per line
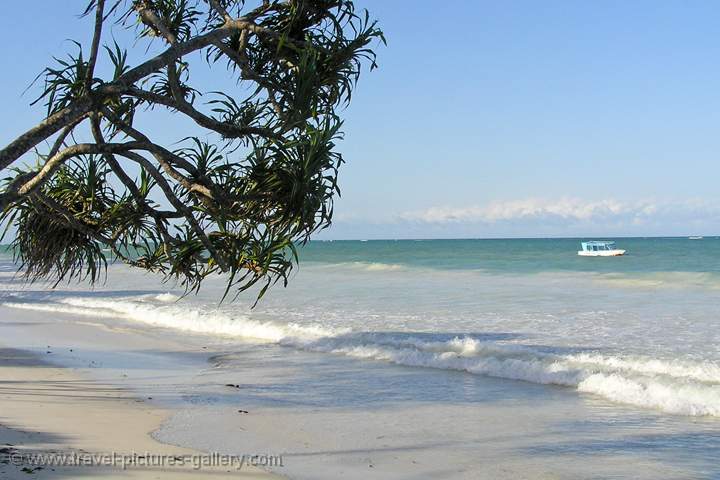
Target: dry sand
<point>45,409</point>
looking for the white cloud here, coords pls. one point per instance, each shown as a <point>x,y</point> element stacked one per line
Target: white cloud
<point>565,211</point>
<point>538,217</point>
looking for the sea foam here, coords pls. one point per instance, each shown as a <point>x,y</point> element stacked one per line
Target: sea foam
<point>673,386</point>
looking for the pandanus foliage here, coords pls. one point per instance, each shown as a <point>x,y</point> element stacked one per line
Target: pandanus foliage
<point>253,175</point>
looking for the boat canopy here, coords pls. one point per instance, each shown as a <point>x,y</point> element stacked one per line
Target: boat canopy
<point>595,246</point>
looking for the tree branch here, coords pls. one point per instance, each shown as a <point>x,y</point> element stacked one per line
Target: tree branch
<point>220,10</point>
<point>163,156</point>
<point>87,102</point>
<point>148,16</point>
<point>225,129</point>
<point>130,185</point>
<point>181,207</point>
<point>99,8</point>
<point>71,220</point>
<point>33,180</point>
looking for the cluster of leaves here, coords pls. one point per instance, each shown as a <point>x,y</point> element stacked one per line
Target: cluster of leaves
<point>46,244</point>
<point>65,82</point>
<point>237,204</point>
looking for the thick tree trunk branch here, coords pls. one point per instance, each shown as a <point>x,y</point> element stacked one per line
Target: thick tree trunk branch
<point>45,129</point>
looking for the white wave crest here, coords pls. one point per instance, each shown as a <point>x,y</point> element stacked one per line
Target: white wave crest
<point>683,398</point>
<point>167,297</point>
<point>178,317</point>
<point>363,266</point>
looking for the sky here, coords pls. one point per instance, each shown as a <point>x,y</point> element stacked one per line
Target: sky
<point>495,118</point>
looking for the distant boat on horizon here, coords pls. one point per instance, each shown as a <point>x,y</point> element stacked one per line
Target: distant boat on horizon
<point>696,238</point>
<point>597,248</point>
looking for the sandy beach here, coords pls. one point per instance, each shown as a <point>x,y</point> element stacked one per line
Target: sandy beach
<point>50,413</point>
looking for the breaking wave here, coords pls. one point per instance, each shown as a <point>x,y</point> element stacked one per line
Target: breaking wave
<point>673,386</point>
<point>363,266</point>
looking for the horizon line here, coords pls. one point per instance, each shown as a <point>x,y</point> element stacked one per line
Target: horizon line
<point>508,238</point>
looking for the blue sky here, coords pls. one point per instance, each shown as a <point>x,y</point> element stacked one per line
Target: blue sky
<point>503,118</point>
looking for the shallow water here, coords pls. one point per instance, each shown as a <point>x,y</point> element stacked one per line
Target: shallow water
<point>486,356</point>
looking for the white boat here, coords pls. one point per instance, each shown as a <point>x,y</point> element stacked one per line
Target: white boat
<point>599,249</point>
<point>695,238</point>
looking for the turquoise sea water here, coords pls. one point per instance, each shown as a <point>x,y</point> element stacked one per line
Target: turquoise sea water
<point>650,254</point>
<point>525,255</point>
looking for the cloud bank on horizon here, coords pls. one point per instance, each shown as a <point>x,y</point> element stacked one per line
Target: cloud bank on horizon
<point>539,217</point>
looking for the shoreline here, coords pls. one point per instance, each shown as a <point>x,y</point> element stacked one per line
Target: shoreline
<point>54,414</point>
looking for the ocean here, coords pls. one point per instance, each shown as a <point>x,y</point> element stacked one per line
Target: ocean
<point>438,358</point>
